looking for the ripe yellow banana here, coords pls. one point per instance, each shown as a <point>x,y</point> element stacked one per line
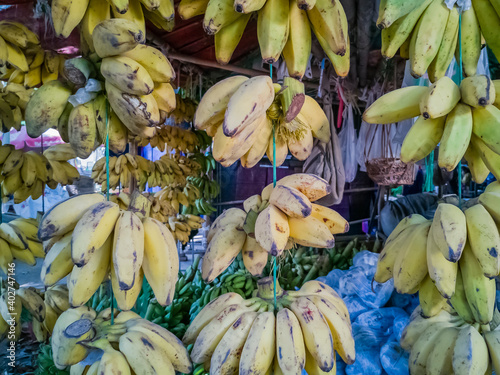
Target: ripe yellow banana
<point>97,11</point>
<point>212,106</point>
<point>85,280</point>
<point>489,20</point>
<point>309,231</point>
<point>154,61</point>
<point>259,147</point>
<point>219,13</point>
<point>248,103</point>
<point>259,349</point>
<point>290,343</point>
<point>422,138</point>
<point>396,105</point>
<point>438,67</point>
<point>449,230</point>
<point>312,186</point>
<point>471,41</point>
<point>456,136</point>
<point>471,353</point>
<point>329,21</point>
<point>427,36</point>
<point>161,262</point>
<point>272,230</point>
<point>479,289</point>
<point>391,10</point>
<point>190,8</point>
<point>128,249</point>
<point>440,99</point>
<point>92,231</point>
<point>301,149</point>
<point>410,264</point>
<point>297,49</point>
<point>431,300</point>
<point>45,107</point>
<point>281,151</point>
<point>273,29</point>
<point>227,39</point>
<point>478,169</point>
<point>127,75</point>
<point>116,36</point>
<point>398,33</point>
<point>64,216</point>
<point>291,201</point>
<point>484,239</point>
<point>441,271</point>
<point>82,129</point>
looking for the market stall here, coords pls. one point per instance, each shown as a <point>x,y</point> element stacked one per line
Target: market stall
<point>249,187</point>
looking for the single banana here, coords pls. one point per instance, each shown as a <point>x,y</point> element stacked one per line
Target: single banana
<point>219,13</point>
<point>85,280</point>
<point>329,22</point>
<point>396,105</point>
<point>289,343</point>
<point>427,36</point>
<point>66,15</point>
<point>477,91</point>
<point>273,29</point>
<point>154,61</point>
<point>116,36</point>
<point>127,75</point>
<point>479,290</point>
<point>441,271</point>
<point>456,136</point>
<point>440,360</point>
<point>471,352</point>
<point>392,10</point>
<point>82,129</point>
<point>92,231</point>
<point>227,38</point>
<point>430,298</point>
<point>471,41</point>
<point>161,262</point>
<point>484,239</point>
<point>272,230</point>
<point>459,300</point>
<point>422,138</point>
<point>312,186</point>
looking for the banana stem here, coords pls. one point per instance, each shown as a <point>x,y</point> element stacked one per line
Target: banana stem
<point>265,288</point>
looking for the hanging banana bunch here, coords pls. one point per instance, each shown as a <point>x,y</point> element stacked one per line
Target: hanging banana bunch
<point>283,28</point>
<point>135,94</point>
<point>241,113</point>
<point>427,33</point>
<point>464,121</point>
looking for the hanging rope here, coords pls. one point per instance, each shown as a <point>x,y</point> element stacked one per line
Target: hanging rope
<point>460,70</point>
<point>43,192</point>
<point>275,265</point>
<point>107,198</point>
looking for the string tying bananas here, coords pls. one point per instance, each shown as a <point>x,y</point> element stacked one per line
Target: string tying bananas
<point>130,344</point>
<point>90,239</point>
<point>237,335</point>
<point>272,222</point>
<point>283,28</point>
<point>445,344</point>
<point>235,111</point>
<point>451,259</point>
<point>427,33</point>
<point>462,120</point>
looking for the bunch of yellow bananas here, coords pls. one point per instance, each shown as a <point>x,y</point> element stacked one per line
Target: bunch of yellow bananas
<point>272,222</point>
<point>25,174</point>
<point>68,14</point>
<point>241,113</point>
<point>446,344</point>
<point>452,259</point>
<point>235,335</point>
<point>22,60</point>
<point>184,111</point>
<point>283,28</point>
<point>166,201</point>
<point>172,137</point>
<point>463,120</point>
<point>18,240</point>
<point>181,226</point>
<point>91,239</point>
<point>136,85</point>
<point>13,100</point>
<point>44,308</point>
<point>426,33</point>
<point>168,170</point>
<point>131,345</point>
<point>53,302</point>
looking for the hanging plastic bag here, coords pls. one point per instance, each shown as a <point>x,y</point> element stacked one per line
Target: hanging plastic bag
<point>348,142</point>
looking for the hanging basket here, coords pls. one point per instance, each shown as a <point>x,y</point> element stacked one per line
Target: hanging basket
<point>390,171</point>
